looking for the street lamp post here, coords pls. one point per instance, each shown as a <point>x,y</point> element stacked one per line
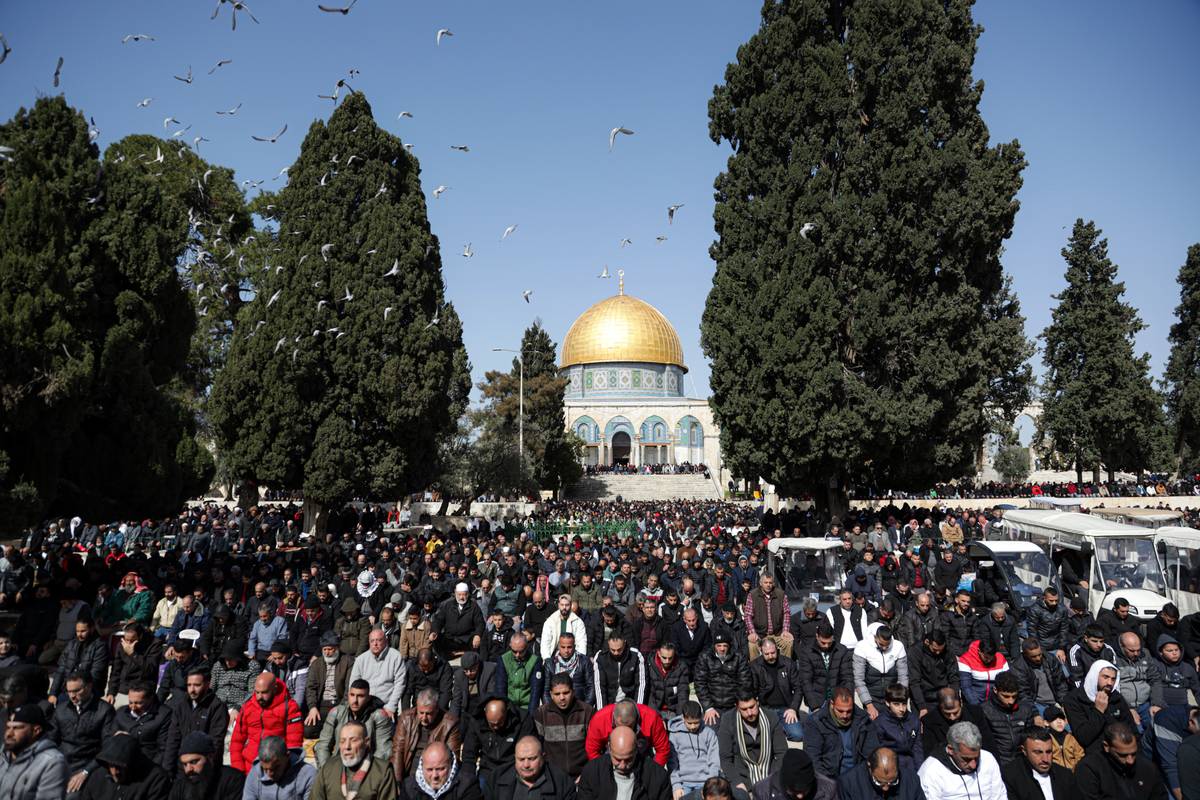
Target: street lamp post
<point>521,403</point>
<point>520,399</point>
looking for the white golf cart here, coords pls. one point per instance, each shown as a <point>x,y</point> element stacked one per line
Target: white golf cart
<point>807,567</point>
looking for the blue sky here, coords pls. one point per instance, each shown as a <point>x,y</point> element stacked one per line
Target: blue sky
<point>1100,94</point>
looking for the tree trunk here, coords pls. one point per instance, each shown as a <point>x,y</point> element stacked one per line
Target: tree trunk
<point>247,494</point>
<point>836,500</point>
<point>1078,468</point>
<point>316,518</point>
<point>1096,473</point>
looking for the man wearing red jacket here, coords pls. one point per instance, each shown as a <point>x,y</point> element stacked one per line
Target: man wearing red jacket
<point>271,712</point>
<point>643,720</point>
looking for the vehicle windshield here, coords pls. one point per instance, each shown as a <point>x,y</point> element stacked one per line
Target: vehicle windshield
<point>1128,564</point>
<point>809,572</point>
<point>1027,574</point>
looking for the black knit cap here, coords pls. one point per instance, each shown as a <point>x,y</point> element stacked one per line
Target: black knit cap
<point>798,774</point>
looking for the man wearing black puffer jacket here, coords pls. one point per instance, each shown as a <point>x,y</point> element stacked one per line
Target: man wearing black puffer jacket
<point>720,674</point>
<point>86,653</point>
<point>931,668</point>
<point>823,735</point>
<point>1041,678</point>
<point>1007,717</point>
<point>79,723</point>
<point>666,682</point>
<point>1048,622</point>
<point>824,665</point>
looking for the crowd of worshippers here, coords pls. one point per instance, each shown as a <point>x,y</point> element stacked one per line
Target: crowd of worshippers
<point>464,664</point>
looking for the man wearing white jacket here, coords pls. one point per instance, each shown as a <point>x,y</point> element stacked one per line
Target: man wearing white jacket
<point>565,621</point>
<point>964,771</point>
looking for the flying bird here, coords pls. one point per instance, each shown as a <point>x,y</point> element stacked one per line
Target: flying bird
<point>237,6</point>
<point>326,249</point>
<point>145,102</point>
<point>443,32</point>
<point>467,251</point>
<point>220,64</point>
<point>404,115</point>
<point>58,71</point>
<point>671,212</point>
<point>187,79</point>
<point>387,310</point>
<point>507,231</point>
<point>806,229</point>
<point>604,274</point>
<point>321,304</point>
<point>528,293</point>
<point>433,321</point>
<point>437,193</point>
<point>612,136</point>
<point>274,297</point>
<point>660,239</point>
<point>462,148</point>
<point>343,10</point>
<point>271,139</point>
<point>626,241</point>
<point>6,49</point>
<point>231,111</point>
<point>394,271</point>
<point>282,341</point>
<point>137,37</point>
<point>168,120</point>
<point>348,296</point>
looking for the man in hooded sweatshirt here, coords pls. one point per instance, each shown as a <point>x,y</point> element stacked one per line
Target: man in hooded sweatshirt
<point>32,768</point>
<point>125,774</point>
<point>1095,704</point>
<point>1174,722</point>
<point>1117,769</point>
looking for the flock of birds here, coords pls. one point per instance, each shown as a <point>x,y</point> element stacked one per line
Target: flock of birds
<point>207,244</point>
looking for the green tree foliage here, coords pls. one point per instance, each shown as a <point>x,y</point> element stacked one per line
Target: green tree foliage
<point>1012,462</point>
<point>1099,405</point>
<point>552,453</point>
<point>94,328</point>
<point>1182,377</point>
<point>341,380</point>
<point>860,326</point>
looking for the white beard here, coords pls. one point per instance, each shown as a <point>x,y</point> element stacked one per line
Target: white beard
<point>353,764</point>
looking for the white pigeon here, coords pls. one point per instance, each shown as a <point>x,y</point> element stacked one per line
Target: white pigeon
<point>528,293</point>
<point>321,304</point>
<point>612,136</point>
<point>437,193</point>
<point>660,239</point>
<point>231,112</point>
<point>433,321</point>
<point>806,229</point>
<point>282,341</point>
<point>348,296</point>
<point>136,37</point>
<point>604,274</point>
<point>326,249</point>
<point>404,115</point>
<point>467,251</point>
<point>507,231</point>
<point>443,32</point>
<point>387,310</point>
<point>626,241</point>
<point>274,297</point>
<point>145,102</point>
<point>394,271</point>
<point>671,212</point>
<point>168,120</point>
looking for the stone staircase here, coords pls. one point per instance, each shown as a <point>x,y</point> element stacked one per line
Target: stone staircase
<point>644,487</point>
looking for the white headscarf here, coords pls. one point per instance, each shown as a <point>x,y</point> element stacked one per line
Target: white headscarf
<point>1092,679</point>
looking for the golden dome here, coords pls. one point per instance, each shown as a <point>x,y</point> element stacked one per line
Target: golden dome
<point>622,328</point>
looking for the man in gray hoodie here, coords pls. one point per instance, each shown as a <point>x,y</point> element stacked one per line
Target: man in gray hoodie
<point>32,768</point>
<point>695,755</point>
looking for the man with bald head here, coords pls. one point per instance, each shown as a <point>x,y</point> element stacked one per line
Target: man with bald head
<point>440,776</point>
<point>880,776</point>
<point>530,776</point>
<point>491,738</point>
<point>1141,684</point>
<point>270,712</point>
<point>623,774</point>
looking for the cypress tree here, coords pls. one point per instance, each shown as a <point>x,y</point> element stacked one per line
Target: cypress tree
<point>1182,376</point>
<point>860,326</point>
<point>341,379</point>
<point>1098,403</point>
<point>94,329</point>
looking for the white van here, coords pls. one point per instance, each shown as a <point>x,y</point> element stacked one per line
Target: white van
<point>1179,551</point>
<point>1116,560</point>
